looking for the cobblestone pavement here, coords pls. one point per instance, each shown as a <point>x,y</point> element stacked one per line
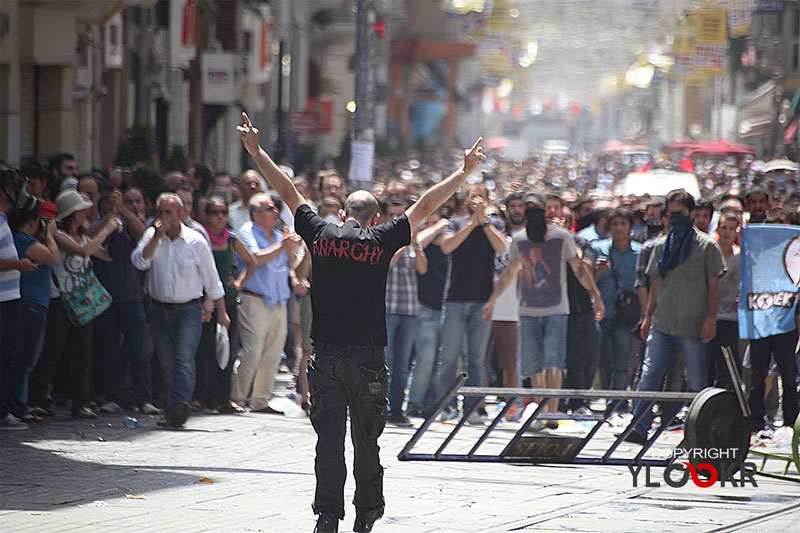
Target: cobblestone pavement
<point>69,475</point>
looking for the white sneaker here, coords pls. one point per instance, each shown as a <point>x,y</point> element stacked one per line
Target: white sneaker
<point>110,407</point>
<point>149,409</point>
<point>12,423</point>
<point>583,410</point>
<point>536,425</point>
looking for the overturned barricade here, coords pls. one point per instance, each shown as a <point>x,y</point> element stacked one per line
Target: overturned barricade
<point>716,430</point>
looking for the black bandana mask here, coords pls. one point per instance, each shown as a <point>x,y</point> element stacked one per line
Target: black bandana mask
<point>654,227</point>
<point>585,221</point>
<point>535,224</point>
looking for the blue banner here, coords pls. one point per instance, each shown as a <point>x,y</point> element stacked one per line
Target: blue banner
<point>771,6</point>
<point>770,280</point>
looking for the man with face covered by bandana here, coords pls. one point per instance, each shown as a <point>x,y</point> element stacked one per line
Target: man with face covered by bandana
<point>541,252</point>
<point>685,268</point>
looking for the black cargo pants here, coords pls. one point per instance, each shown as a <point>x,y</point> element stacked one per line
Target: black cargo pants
<point>342,377</point>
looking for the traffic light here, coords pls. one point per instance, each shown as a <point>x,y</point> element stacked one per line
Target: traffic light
<point>380,29</point>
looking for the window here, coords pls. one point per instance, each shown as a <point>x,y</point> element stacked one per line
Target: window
<point>796,58</point>
<point>796,31</point>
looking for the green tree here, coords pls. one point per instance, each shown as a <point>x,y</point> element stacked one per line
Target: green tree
<point>176,160</point>
<point>136,146</point>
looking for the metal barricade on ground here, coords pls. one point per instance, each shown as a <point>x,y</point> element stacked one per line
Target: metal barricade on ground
<point>714,420</point>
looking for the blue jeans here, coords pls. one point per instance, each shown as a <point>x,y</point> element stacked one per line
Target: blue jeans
<point>127,319</point>
<point>34,320</point>
<point>616,343</point>
<point>176,335</point>
<point>543,343</point>
<point>457,316</point>
<point>423,393</point>
<point>400,330</point>
<point>656,357</point>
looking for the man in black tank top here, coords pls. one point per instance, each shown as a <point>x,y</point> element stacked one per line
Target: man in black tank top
<point>350,262</point>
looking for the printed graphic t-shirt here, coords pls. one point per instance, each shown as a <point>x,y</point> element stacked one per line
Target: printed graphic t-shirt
<point>350,266</point>
<point>543,283</point>
<point>72,271</point>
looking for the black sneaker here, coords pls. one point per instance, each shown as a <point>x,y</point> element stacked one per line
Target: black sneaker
<point>635,437</point>
<point>399,419</point>
<point>179,414</point>
<point>365,521</point>
<point>327,523</point>
<point>47,410</point>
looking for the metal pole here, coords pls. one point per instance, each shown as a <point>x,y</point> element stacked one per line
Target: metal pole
<point>443,401</point>
<point>280,144</point>
<point>718,107</point>
<point>364,120</point>
<point>736,381</point>
<point>365,72</point>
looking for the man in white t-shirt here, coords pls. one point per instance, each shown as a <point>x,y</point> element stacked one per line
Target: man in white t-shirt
<point>11,267</point>
<point>541,253</point>
<point>505,318</point>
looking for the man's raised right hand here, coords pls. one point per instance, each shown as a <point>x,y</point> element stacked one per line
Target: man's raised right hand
<point>473,157</point>
<point>249,135</point>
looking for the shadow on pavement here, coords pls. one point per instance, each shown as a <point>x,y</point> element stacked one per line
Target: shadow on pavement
<point>35,476</point>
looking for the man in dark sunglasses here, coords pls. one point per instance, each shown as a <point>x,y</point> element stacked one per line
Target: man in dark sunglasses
<point>350,264</point>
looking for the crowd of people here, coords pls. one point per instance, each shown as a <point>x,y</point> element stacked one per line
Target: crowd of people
<point>536,273</point>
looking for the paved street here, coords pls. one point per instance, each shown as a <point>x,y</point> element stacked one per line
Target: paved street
<point>102,476</point>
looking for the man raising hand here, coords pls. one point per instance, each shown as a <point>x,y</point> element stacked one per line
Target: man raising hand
<point>350,262</point>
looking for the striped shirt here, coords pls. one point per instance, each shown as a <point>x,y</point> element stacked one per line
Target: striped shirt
<point>9,279</point>
<point>401,285</point>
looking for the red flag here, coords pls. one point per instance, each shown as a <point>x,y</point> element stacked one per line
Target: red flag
<point>687,164</point>
<point>191,26</point>
<point>791,131</point>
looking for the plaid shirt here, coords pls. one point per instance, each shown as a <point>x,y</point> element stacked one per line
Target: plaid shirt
<point>642,279</point>
<point>401,285</point>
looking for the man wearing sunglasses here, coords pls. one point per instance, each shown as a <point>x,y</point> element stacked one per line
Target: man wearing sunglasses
<point>347,371</point>
<point>262,323</point>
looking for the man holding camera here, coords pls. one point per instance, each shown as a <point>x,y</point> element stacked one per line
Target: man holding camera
<point>125,317</point>
<point>263,320</point>
<point>12,195</point>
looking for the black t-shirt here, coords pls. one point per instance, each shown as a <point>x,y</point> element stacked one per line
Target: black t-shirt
<point>350,265</point>
<point>472,269</point>
<point>580,301</point>
<point>430,286</point>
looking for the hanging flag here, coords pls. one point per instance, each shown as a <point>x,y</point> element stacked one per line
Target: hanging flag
<point>790,133</point>
<point>770,279</point>
<point>711,28</point>
<point>191,23</point>
<point>740,15</point>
